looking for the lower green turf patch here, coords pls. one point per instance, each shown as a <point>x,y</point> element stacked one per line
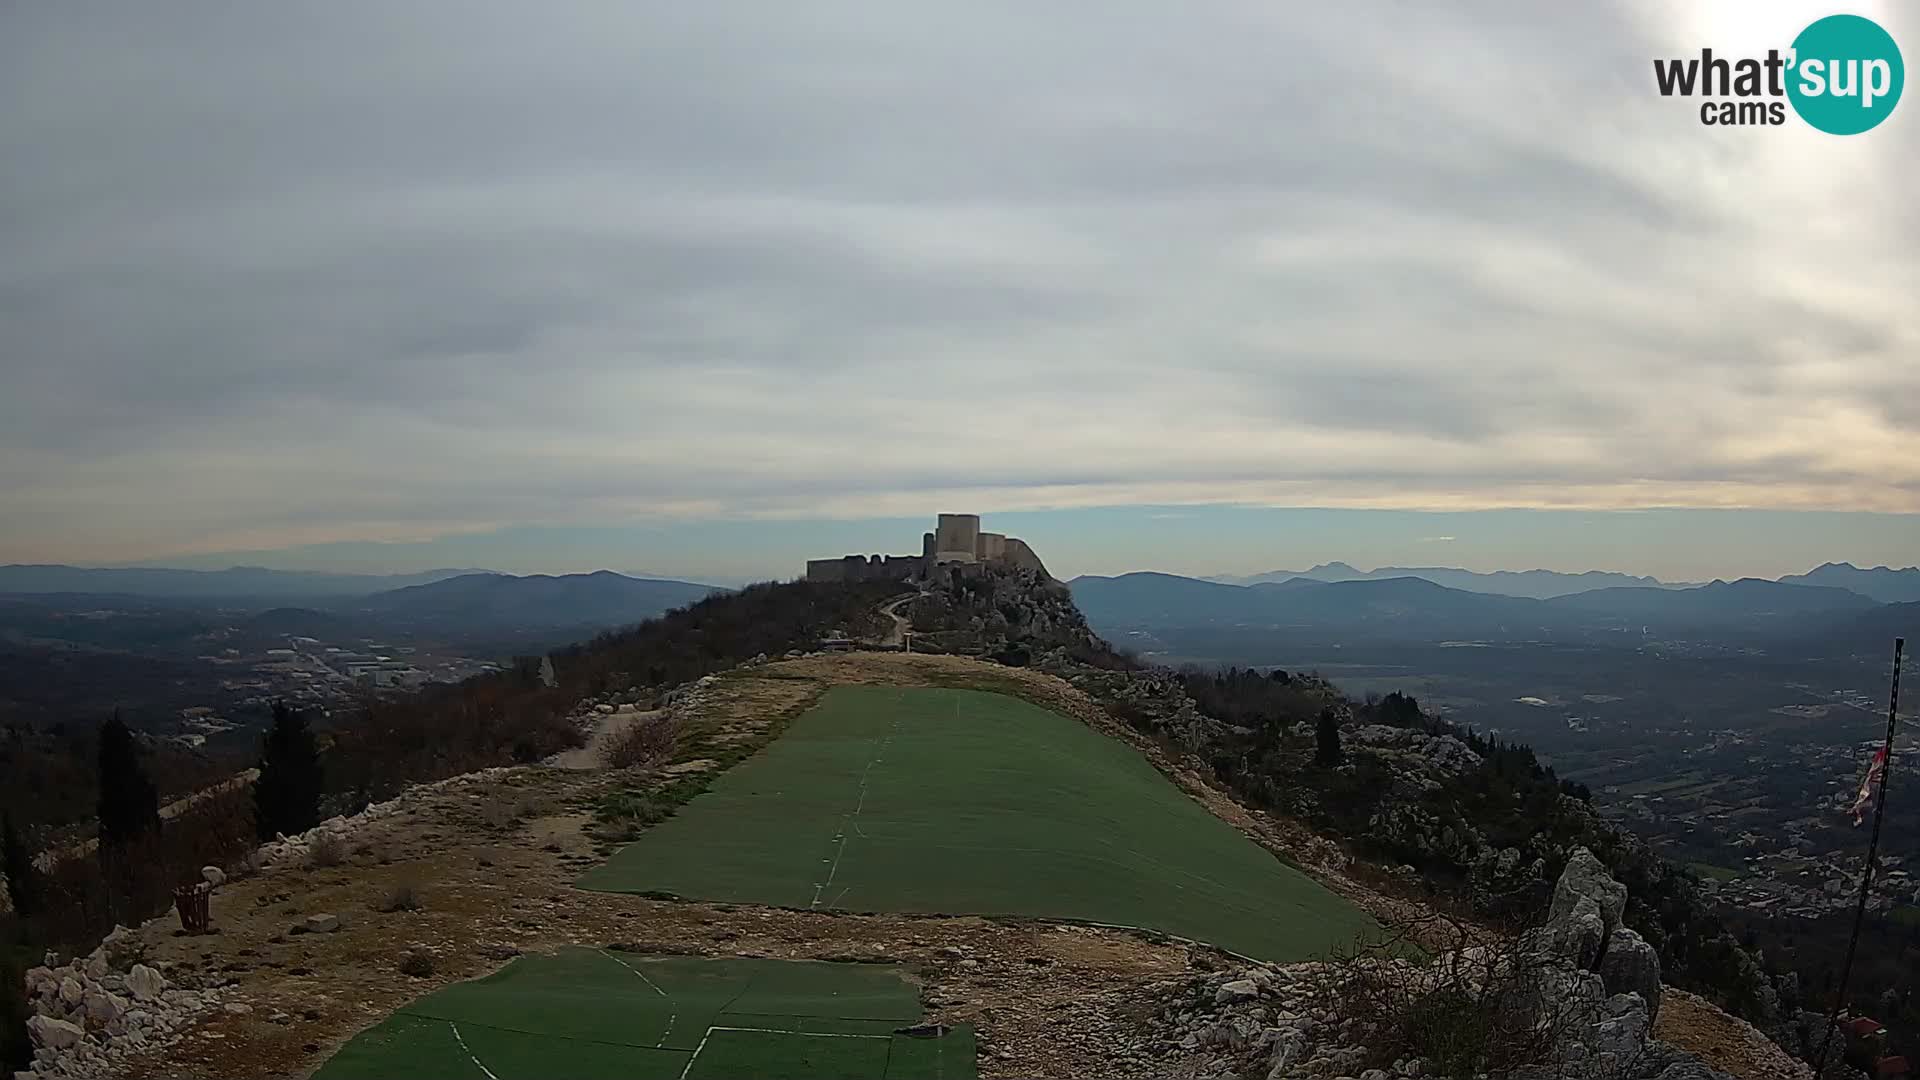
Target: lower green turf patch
<point>963,802</point>
<point>603,1015</point>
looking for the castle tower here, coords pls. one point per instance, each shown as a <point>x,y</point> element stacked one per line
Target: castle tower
<point>956,538</point>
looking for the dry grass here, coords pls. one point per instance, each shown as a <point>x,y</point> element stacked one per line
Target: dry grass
<point>403,896</point>
<point>503,810</point>
<point>645,742</point>
<point>326,849</point>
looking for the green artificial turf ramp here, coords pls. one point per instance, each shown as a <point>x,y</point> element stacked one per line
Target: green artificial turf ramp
<point>602,1015</point>
<point>964,802</point>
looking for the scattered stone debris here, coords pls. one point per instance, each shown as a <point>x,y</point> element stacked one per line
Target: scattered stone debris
<point>93,1013</point>
<point>1598,980</point>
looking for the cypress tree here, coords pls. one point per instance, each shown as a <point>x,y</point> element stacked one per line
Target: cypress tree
<point>1327,736</point>
<point>129,804</point>
<point>21,887</point>
<point>286,797</point>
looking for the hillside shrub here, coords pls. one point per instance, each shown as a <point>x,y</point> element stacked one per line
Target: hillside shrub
<point>1473,1009</point>
<point>645,741</point>
<point>325,850</point>
<point>402,897</point>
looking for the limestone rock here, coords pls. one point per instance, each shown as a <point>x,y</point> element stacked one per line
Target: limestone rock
<point>144,983</point>
<point>53,1034</point>
<point>1236,990</point>
<point>71,991</point>
<point>322,923</point>
<point>1586,877</point>
<point>1631,966</point>
<point>1578,938</point>
<point>103,1008</point>
<point>1624,1033</point>
<point>123,948</point>
<point>213,876</point>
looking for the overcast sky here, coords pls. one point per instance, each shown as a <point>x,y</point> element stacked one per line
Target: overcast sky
<point>286,275</point>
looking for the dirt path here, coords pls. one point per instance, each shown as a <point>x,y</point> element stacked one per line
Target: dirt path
<point>896,637</point>
<point>607,728</point>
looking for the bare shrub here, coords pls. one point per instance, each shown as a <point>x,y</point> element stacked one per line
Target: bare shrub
<point>505,808</point>
<point>645,742</point>
<point>417,963</point>
<point>1487,1004</point>
<point>402,897</point>
<point>247,865</point>
<point>326,849</point>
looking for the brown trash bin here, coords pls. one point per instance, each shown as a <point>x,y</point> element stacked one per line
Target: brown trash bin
<point>191,901</point>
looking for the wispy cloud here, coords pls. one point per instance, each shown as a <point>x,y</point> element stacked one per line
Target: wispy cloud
<point>1436,540</point>
<point>451,267</point>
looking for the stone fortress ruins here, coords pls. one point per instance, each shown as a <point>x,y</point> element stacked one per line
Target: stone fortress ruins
<point>954,547</point>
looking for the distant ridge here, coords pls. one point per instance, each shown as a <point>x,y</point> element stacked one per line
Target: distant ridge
<point>234,582</point>
<point>1882,583</point>
<point>1535,584</point>
<point>601,599</point>
<point>1414,607</point>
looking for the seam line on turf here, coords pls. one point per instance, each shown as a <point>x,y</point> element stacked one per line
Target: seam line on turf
<point>802,1034</point>
<point>641,1047</point>
<point>673,1014</point>
<point>470,1056</point>
<point>853,819</point>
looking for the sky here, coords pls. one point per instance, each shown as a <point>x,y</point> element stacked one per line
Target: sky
<point>706,289</point>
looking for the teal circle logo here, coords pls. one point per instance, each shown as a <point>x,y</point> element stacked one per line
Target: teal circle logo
<point>1847,75</point>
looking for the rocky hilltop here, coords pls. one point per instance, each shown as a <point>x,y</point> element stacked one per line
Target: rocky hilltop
<point>1523,938</point>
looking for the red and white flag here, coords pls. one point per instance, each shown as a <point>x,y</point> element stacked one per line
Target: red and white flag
<point>1865,797</point>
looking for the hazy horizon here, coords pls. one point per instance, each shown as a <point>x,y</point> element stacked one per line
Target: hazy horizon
<point>1196,541</point>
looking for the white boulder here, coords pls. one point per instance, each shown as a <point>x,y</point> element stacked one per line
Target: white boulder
<point>53,1034</point>
<point>144,983</point>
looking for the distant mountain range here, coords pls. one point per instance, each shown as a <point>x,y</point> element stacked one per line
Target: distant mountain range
<point>1537,584</point>
<point>1886,585</point>
<point>250,582</point>
<point>1881,583</point>
<point>448,604</point>
<point>599,599</point>
<point>1412,608</point>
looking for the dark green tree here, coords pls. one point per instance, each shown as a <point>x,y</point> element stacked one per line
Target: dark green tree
<point>22,888</point>
<point>129,804</point>
<point>1326,753</point>
<point>286,797</point>
<point>16,1046</point>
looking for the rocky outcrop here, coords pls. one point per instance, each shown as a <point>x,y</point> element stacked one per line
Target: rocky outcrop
<point>1629,965</point>
<point>1584,931</point>
<point>93,1012</point>
<point>1427,757</point>
<point>1591,985</point>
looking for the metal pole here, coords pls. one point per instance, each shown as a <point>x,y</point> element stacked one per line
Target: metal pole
<point>1873,850</point>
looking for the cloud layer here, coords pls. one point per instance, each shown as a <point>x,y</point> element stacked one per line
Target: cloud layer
<point>376,271</point>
